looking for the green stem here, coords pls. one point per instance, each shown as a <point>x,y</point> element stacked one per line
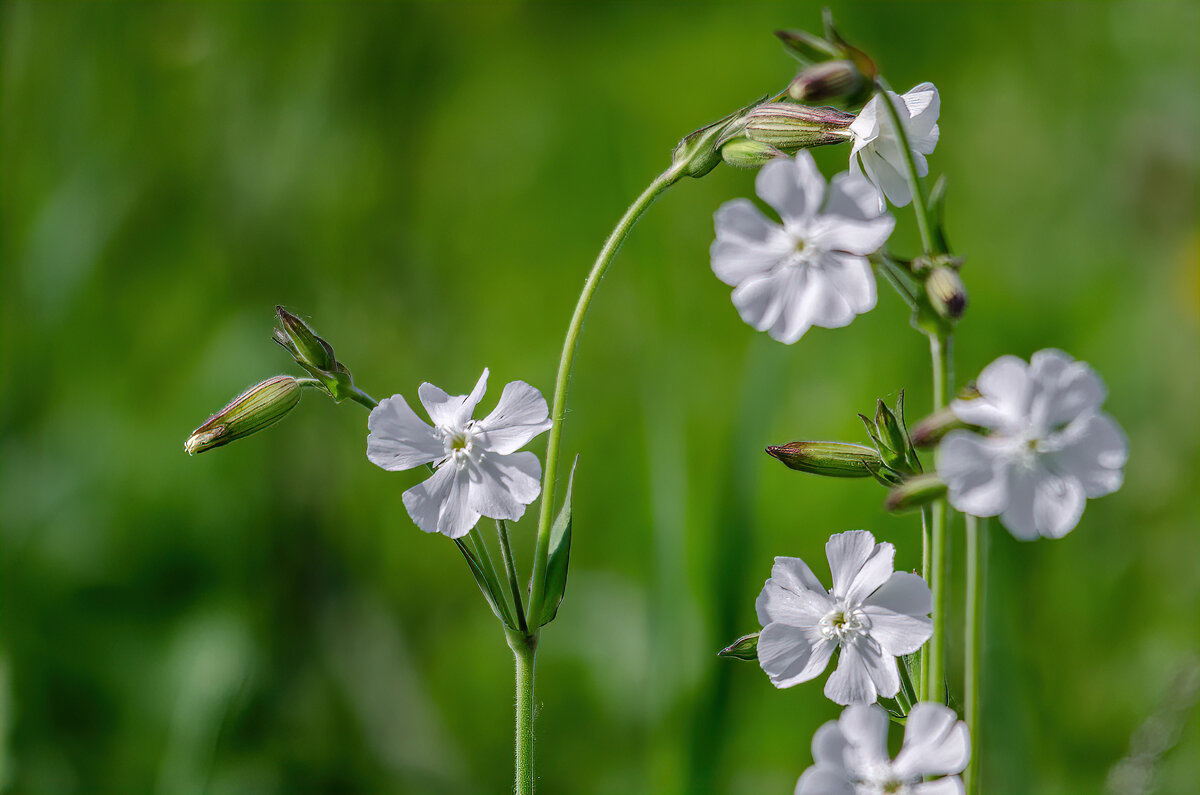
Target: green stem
<point>918,200</point>
<point>926,567</point>
<point>510,567</point>
<point>611,246</point>
<point>524,648</point>
<point>976,567</point>
<point>359,396</point>
<point>939,348</point>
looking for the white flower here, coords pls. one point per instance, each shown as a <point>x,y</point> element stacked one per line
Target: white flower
<point>872,613</point>
<point>1049,447</point>
<point>812,270</point>
<point>479,472</point>
<point>877,151</point>
<point>851,756</point>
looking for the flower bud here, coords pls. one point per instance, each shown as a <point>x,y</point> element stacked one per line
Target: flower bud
<point>807,48</point>
<point>299,339</point>
<point>790,127</point>
<point>744,153</point>
<point>929,431</point>
<point>947,293</point>
<point>744,648</point>
<point>259,406</point>
<point>826,81</point>
<point>889,429</point>
<point>700,152</point>
<point>831,459</point>
<point>914,493</point>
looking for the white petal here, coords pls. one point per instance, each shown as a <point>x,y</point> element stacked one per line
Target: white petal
<point>865,728</point>
<point>923,105</point>
<point>822,780</point>
<point>502,485</point>
<point>936,743</point>
<point>829,745</point>
<point>865,128</point>
<point>1093,449</point>
<point>847,553</point>
<point>457,517</point>
<point>451,411</point>
<point>440,503</point>
<point>852,277</point>
<point>747,243</point>
<point>759,299</point>
<point>851,683</point>
<point>520,415</point>
<point>889,177</point>
<point>897,633</point>
<point>398,439</point>
<point>880,665</point>
<point>1058,502</point>
<point>975,471</point>
<point>789,574</point>
<point>797,608</point>
<point>793,187</point>
<point>1064,388</point>
<point>852,196</point>
<point>950,785</point>
<point>790,655</point>
<point>874,573</point>
<point>903,592</point>
<point>1004,396</point>
<point>1017,515</point>
<point>818,304</point>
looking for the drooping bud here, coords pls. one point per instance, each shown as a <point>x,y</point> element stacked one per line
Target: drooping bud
<point>744,648</point>
<point>259,406</point>
<point>827,81</point>
<point>791,127</point>
<point>700,152</point>
<point>929,431</point>
<point>947,293</point>
<point>914,493</point>
<point>807,48</point>
<point>313,353</point>
<point>744,153</point>
<point>831,459</point>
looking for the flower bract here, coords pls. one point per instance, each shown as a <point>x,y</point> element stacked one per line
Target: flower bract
<point>812,270</point>
<point>876,151</point>
<point>872,613</point>
<point>478,471</point>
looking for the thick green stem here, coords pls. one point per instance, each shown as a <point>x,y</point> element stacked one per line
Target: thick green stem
<point>939,348</point>
<point>976,567</point>
<point>603,260</point>
<point>361,397</point>
<point>510,568</point>
<point>524,648</point>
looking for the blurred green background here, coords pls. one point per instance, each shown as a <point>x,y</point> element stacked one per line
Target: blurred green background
<point>429,183</point>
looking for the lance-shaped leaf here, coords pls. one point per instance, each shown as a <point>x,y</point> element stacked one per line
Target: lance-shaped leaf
<point>744,648</point>
<point>557,560</point>
<point>488,584</point>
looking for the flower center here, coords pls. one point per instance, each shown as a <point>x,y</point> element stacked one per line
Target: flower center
<point>879,779</point>
<point>459,444</point>
<point>842,623</point>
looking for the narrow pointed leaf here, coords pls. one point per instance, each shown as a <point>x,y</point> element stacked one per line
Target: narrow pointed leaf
<point>489,589</point>
<point>557,560</point>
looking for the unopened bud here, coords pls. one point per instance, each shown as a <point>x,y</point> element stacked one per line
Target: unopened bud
<point>831,459</point>
<point>914,493</point>
<point>947,293</point>
<point>826,81</point>
<point>807,48</point>
<point>700,152</point>
<point>744,153</point>
<point>929,431</point>
<point>259,406</point>
<point>791,127</point>
<point>889,429</point>
<point>299,339</point>
<point>744,648</point>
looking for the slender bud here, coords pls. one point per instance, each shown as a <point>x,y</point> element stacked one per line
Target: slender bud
<point>889,429</point>
<point>744,648</point>
<point>947,293</point>
<point>929,431</point>
<point>744,153</point>
<point>827,81</point>
<point>914,493</point>
<point>299,339</point>
<point>261,405</point>
<point>807,48</point>
<point>831,459</point>
<point>791,127</point>
<point>700,152</point>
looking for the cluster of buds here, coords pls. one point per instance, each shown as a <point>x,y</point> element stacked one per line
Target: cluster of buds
<point>921,489</point>
<point>834,70</point>
<point>890,461</point>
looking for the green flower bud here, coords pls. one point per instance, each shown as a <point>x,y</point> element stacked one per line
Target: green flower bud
<point>831,459</point>
<point>744,153</point>
<point>791,127</point>
<point>700,152</point>
<point>947,293</point>
<point>299,339</point>
<point>827,81</point>
<point>807,48</point>
<point>259,406</point>
<point>914,493</point>
<point>744,648</point>
<point>889,429</point>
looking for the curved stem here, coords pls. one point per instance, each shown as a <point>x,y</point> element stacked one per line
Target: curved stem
<point>361,397</point>
<point>510,568</point>
<point>976,566</point>
<point>918,200</point>
<point>611,246</point>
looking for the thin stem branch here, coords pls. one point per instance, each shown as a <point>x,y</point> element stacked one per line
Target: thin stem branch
<point>918,200</point>
<point>510,567</point>
<point>939,348</point>
<point>611,246</point>
<point>972,658</point>
<point>926,568</point>
<point>524,648</point>
<point>361,397</point>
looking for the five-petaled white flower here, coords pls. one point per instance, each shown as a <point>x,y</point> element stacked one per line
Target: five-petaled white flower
<point>876,149</point>
<point>479,472</point>
<point>812,270</point>
<point>851,755</point>
<point>1049,447</point>
<point>872,613</point>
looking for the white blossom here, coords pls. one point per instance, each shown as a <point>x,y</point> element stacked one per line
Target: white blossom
<point>812,270</point>
<point>872,613</point>
<point>876,150</point>
<point>1048,448</point>
<point>851,756</point>
<point>478,469</point>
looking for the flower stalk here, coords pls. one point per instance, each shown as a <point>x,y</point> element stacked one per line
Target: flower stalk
<point>973,645</point>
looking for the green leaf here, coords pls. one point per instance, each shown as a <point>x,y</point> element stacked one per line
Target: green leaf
<point>557,559</point>
<point>487,585</point>
<point>744,648</point>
